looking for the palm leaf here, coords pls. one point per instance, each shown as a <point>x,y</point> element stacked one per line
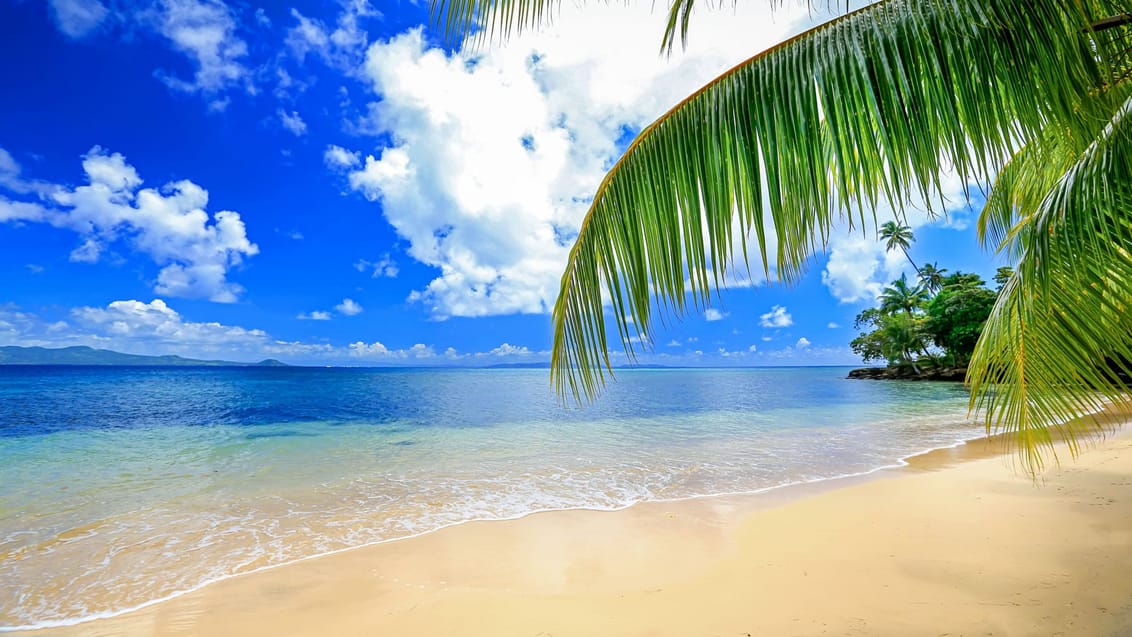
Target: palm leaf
<point>864,109</point>
<point>1058,344</point>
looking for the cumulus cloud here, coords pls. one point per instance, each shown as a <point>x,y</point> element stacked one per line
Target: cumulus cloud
<point>858,268</point>
<point>77,18</point>
<point>378,351</point>
<point>339,158</point>
<point>155,328</point>
<point>12,181</point>
<point>712,314</point>
<point>777,317</point>
<point>341,46</point>
<point>292,122</point>
<point>169,224</point>
<point>802,343</point>
<point>492,197</point>
<point>205,31</point>
<point>349,307</point>
<point>156,320</point>
<point>316,315</point>
<point>507,349</point>
<point>831,325</point>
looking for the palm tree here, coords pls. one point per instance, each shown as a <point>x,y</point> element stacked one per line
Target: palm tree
<point>868,109</point>
<point>931,277</point>
<point>897,236</point>
<point>900,297</point>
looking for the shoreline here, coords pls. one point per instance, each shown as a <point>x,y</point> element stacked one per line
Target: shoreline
<point>768,497</point>
<point>719,514</point>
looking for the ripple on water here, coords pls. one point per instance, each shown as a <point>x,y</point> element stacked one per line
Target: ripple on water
<point>116,507</point>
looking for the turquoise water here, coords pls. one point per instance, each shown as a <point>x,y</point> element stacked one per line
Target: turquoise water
<point>122,486</point>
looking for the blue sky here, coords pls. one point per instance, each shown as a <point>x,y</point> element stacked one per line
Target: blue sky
<point>327,183</point>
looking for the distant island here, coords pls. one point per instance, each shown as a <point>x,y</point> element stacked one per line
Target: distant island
<point>82,355</point>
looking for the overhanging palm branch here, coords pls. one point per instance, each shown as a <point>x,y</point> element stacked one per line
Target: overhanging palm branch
<point>818,129</point>
<point>1059,341</point>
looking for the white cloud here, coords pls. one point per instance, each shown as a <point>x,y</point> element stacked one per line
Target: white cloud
<point>378,351</point>
<point>491,196</point>
<point>777,317</point>
<point>205,32</point>
<point>752,349</point>
<point>292,122</point>
<point>857,268</point>
<point>832,325</point>
<point>802,343</point>
<point>712,314</point>
<point>341,47</point>
<point>383,267</point>
<point>339,158</point>
<point>9,170</point>
<point>77,18</point>
<point>674,343</point>
<point>21,211</point>
<point>316,315</point>
<point>349,307</point>
<point>128,324</point>
<point>11,180</point>
<point>507,349</point>
<point>155,328</point>
<point>169,225</point>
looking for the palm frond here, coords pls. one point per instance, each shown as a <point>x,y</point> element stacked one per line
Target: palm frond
<point>1058,344</point>
<point>820,128</point>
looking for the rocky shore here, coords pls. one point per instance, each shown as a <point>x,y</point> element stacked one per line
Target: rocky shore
<point>953,374</point>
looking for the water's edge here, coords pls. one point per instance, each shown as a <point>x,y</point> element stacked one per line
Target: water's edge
<point>830,483</point>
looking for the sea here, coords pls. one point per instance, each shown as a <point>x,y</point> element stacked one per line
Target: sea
<point>124,486</point>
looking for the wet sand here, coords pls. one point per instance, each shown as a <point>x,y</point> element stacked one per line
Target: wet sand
<point>958,543</point>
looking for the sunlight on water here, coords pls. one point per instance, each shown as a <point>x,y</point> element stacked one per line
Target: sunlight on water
<point>121,486</point>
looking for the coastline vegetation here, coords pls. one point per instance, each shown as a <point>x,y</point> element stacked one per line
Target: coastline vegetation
<point>930,325</point>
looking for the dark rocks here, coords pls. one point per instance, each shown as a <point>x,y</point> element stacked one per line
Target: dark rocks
<point>953,374</point>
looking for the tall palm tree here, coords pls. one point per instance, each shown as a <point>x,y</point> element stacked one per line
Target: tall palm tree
<point>868,109</point>
<point>895,236</point>
<point>931,277</point>
<point>901,297</point>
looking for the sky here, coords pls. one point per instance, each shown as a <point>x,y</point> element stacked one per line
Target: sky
<point>333,183</point>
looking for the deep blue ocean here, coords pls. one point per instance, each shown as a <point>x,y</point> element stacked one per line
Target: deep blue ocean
<point>122,486</point>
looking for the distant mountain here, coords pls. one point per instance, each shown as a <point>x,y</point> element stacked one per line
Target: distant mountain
<point>82,355</point>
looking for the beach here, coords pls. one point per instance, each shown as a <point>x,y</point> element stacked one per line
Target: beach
<point>956,543</point>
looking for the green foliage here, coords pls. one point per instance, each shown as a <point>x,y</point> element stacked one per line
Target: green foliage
<point>931,277</point>
<point>896,338</point>
<point>956,315</point>
<point>900,297</point>
<point>1002,276</point>
<point>870,345</point>
<point>910,321</point>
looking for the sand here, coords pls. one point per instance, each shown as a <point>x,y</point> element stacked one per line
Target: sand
<point>959,543</point>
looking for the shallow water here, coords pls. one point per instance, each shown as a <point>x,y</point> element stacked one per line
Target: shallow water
<point>120,486</point>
